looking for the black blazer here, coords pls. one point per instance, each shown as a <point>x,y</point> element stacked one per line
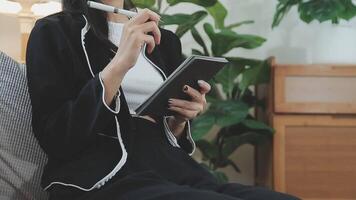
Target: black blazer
<point>73,125</point>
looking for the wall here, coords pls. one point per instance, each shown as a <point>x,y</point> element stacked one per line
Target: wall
<point>10,37</point>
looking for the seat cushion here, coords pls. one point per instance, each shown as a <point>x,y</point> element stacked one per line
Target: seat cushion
<point>21,158</point>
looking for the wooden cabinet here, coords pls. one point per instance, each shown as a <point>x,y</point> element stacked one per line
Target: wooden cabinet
<point>313,110</point>
<point>314,89</point>
<point>315,156</point>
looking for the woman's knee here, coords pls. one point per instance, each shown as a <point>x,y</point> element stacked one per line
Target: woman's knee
<point>253,193</point>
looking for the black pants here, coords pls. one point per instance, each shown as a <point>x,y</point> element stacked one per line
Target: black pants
<point>155,170</point>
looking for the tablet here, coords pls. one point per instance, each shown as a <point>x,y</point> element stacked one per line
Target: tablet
<point>189,72</point>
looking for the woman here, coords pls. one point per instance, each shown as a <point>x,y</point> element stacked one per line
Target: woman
<point>82,63</point>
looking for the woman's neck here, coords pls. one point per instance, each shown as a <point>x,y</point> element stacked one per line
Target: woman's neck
<point>115,17</point>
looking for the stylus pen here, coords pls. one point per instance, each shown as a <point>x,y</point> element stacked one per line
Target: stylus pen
<point>112,9</point>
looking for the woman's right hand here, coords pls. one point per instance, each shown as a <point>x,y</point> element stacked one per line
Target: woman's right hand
<point>135,35</point>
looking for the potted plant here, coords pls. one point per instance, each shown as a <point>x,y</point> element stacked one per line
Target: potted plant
<point>335,40</point>
<point>231,99</point>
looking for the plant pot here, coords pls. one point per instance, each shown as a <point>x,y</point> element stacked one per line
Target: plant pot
<point>335,44</point>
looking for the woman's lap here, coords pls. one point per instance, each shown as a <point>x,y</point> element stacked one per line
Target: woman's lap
<point>252,192</point>
<point>156,170</point>
<point>151,186</point>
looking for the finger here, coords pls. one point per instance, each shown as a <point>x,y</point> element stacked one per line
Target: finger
<point>204,86</point>
<point>195,94</point>
<point>149,40</point>
<point>153,28</point>
<point>187,114</point>
<point>144,16</point>
<point>188,105</point>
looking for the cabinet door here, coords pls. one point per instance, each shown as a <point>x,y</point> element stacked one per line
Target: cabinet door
<point>314,89</point>
<point>315,156</point>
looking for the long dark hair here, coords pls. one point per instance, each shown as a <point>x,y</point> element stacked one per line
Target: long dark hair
<point>96,18</point>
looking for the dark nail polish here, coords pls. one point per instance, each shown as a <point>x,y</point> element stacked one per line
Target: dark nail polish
<point>185,88</point>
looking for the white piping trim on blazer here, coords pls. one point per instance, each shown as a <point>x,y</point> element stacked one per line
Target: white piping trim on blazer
<point>84,32</point>
<point>190,138</point>
<point>118,104</point>
<point>154,65</point>
<point>124,152</point>
<point>173,140</point>
<point>102,182</point>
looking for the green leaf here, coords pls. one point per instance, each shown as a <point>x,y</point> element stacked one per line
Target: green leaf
<point>257,125</point>
<point>204,3</point>
<point>229,162</point>
<point>209,98</point>
<point>197,52</point>
<point>220,177</point>
<point>222,113</point>
<point>349,10</point>
<point>255,75</point>
<point>283,7</point>
<point>226,40</point>
<point>202,125</point>
<point>227,77</point>
<point>144,3</point>
<point>238,24</point>
<point>328,10</point>
<point>244,62</point>
<point>185,22</point>
<point>219,13</point>
<point>197,37</point>
<point>174,19</point>
<point>234,142</point>
<point>208,149</point>
<point>249,125</point>
<point>229,112</point>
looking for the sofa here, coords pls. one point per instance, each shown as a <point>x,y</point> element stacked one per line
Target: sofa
<point>21,158</point>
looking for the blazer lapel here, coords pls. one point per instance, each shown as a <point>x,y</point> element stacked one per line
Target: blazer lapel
<point>156,59</point>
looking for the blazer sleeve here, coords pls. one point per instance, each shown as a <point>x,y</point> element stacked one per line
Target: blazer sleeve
<point>64,121</point>
<point>173,59</point>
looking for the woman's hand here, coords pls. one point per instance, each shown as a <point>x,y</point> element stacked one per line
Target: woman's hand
<point>134,36</point>
<point>187,110</point>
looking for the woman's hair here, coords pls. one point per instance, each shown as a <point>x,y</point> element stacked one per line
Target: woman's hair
<point>96,18</point>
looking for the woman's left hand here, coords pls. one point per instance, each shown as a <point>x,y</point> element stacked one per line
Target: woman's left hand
<point>187,110</point>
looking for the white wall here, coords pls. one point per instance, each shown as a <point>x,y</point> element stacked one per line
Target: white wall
<point>10,38</point>
<point>291,42</point>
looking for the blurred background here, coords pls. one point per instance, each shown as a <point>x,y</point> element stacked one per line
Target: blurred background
<point>287,101</point>
<point>292,34</point>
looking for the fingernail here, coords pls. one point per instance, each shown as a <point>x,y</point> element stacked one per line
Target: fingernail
<point>200,82</point>
<point>185,88</point>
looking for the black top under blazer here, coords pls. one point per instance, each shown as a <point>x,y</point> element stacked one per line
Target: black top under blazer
<point>71,121</point>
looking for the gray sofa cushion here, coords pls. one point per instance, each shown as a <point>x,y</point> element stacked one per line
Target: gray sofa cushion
<point>21,158</point>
